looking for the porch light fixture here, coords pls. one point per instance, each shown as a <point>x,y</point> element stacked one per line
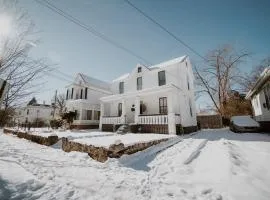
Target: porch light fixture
<point>132,108</point>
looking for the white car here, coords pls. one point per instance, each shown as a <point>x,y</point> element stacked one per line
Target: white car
<point>241,124</point>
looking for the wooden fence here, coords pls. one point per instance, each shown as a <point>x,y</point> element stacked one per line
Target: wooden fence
<point>209,121</point>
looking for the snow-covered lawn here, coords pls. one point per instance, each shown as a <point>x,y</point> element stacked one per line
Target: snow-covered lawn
<point>71,134</point>
<point>213,164</point>
<point>100,139</point>
<point>127,139</point>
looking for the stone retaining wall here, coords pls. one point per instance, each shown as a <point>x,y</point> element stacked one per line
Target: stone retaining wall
<point>48,141</point>
<point>101,154</point>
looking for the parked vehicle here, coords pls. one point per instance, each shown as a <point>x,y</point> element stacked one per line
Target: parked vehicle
<point>242,124</point>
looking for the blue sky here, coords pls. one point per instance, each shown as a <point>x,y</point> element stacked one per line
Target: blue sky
<point>204,25</point>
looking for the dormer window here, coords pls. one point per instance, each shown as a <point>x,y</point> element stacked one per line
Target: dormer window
<point>161,78</point>
<point>139,69</point>
<point>121,87</point>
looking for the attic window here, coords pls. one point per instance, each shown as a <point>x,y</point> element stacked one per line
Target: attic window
<point>139,69</point>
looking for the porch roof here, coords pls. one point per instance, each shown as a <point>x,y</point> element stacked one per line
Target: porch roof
<point>144,92</point>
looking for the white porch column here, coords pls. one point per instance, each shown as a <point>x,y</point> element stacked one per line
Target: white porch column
<point>101,115</point>
<point>123,116</point>
<point>81,114</point>
<point>171,114</point>
<point>137,109</point>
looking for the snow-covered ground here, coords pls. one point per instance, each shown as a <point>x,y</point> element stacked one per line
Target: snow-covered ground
<point>213,164</point>
<point>70,134</point>
<point>100,139</point>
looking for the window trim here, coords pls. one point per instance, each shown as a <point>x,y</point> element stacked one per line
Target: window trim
<point>120,109</point>
<point>81,93</point>
<point>85,93</point>
<point>159,78</point>
<point>121,87</point>
<point>163,109</point>
<point>139,78</point>
<point>72,91</point>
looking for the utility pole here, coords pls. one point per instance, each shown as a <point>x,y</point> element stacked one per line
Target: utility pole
<point>54,106</point>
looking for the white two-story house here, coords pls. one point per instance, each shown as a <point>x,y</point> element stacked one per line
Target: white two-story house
<point>158,99</point>
<point>83,97</point>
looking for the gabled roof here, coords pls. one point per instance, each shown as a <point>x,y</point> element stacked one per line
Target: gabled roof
<point>169,62</point>
<point>153,67</point>
<point>264,77</point>
<point>124,76</point>
<point>94,82</point>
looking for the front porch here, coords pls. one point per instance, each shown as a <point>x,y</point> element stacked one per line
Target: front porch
<point>87,115</point>
<point>147,112</point>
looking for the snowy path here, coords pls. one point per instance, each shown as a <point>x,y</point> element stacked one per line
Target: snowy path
<point>212,165</point>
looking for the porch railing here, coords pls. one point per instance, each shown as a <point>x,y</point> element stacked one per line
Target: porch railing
<point>111,120</point>
<point>153,119</point>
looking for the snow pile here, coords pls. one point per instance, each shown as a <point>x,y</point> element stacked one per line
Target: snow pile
<point>244,121</point>
<point>127,139</point>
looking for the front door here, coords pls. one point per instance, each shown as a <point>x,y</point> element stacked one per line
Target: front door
<point>130,112</point>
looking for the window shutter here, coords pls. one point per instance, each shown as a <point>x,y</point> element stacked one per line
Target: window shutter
<point>85,93</point>
<point>72,90</point>
<point>81,93</point>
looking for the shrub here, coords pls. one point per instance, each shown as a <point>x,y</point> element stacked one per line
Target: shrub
<point>56,123</point>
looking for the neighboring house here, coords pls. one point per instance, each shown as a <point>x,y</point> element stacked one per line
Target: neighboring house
<point>83,97</point>
<point>260,99</point>
<point>33,113</point>
<point>158,99</point>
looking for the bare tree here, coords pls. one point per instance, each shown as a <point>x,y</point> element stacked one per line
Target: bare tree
<point>220,75</point>
<point>60,103</point>
<point>17,67</point>
<point>250,79</point>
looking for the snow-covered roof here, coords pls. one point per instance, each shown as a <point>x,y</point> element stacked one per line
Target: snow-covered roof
<point>169,62</point>
<point>124,76</point>
<point>95,82</point>
<point>153,67</point>
<point>265,75</point>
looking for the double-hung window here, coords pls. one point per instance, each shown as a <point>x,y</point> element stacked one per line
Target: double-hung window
<point>139,83</point>
<point>163,108</point>
<point>121,87</point>
<point>161,78</point>
<point>119,109</point>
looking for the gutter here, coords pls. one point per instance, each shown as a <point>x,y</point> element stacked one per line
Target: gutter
<point>263,78</point>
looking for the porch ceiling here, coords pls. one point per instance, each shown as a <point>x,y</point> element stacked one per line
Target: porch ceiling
<point>144,92</point>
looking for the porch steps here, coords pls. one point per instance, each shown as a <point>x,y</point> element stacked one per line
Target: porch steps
<point>123,129</point>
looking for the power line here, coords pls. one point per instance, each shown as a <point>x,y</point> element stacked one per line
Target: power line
<point>165,29</point>
<point>89,29</point>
